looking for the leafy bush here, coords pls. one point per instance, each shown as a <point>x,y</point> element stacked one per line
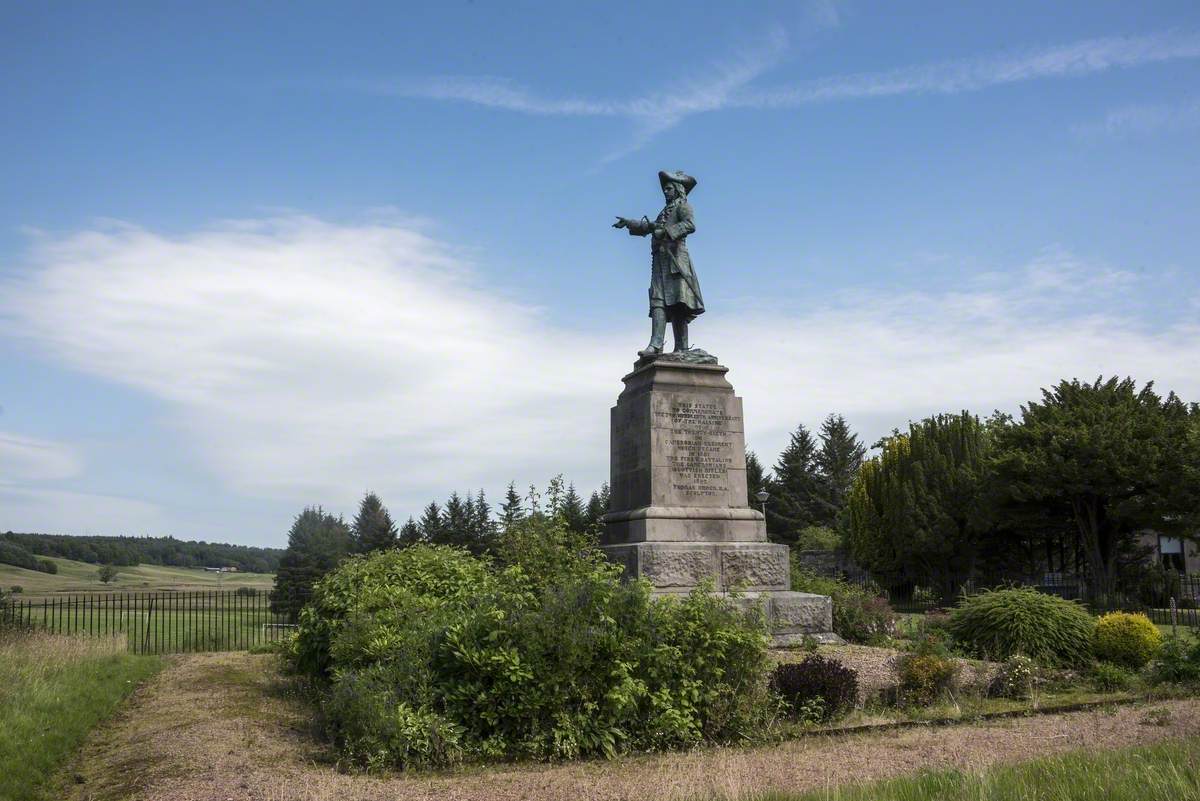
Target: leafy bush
<point>858,615</point>
<point>816,678</point>
<point>1109,678</point>
<point>1014,679</point>
<point>1177,662</point>
<point>16,589</point>
<point>246,592</point>
<point>1126,639</point>
<point>46,566</point>
<point>999,624</point>
<point>818,538</point>
<point>924,674</point>
<point>430,656</point>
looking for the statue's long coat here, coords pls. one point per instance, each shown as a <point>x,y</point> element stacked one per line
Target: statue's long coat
<point>673,283</point>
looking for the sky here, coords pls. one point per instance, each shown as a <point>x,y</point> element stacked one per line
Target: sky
<point>255,257</point>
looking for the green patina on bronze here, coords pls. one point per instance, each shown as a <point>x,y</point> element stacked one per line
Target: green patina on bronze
<point>674,288</point>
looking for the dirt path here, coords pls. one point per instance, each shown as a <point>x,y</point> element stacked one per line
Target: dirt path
<point>216,727</point>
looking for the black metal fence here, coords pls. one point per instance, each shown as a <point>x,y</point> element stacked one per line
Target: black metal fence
<point>157,622</point>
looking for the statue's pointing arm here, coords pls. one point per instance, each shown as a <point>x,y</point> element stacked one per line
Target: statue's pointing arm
<point>686,224</point>
<point>639,227</point>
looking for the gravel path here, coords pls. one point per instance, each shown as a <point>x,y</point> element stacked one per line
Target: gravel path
<point>214,727</point>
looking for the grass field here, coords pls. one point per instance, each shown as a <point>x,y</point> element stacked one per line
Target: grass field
<point>82,577</point>
<point>1168,771</point>
<point>53,690</point>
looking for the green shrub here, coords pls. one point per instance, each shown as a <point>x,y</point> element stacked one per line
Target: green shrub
<point>859,616</point>
<point>16,589</point>
<point>826,680</point>
<point>1126,639</point>
<point>430,656</point>
<point>1014,679</point>
<point>1178,662</point>
<point>818,538</point>
<point>999,624</point>
<point>246,592</point>
<point>924,675</point>
<point>1106,677</point>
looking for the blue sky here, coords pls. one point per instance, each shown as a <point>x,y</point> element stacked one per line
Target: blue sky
<point>257,258</point>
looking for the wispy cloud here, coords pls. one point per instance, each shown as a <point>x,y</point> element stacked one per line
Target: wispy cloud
<point>305,361</point>
<point>1086,57</point>
<point>727,84</point>
<point>28,458</point>
<point>1145,119</point>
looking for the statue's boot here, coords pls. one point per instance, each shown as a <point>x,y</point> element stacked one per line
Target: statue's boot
<point>680,328</point>
<point>658,332</point>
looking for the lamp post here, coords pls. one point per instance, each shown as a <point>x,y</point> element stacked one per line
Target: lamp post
<point>763,496</point>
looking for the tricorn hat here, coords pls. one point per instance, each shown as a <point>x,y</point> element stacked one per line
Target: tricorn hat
<point>678,177</point>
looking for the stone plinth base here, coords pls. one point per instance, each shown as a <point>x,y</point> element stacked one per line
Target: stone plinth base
<point>794,616</point>
<point>679,515</point>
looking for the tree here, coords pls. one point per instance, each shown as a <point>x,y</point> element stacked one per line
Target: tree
<point>456,521</point>
<point>572,512</point>
<point>373,526</point>
<point>597,508</point>
<point>432,525</point>
<point>483,528</point>
<point>918,511</point>
<point>410,534</point>
<point>555,492</point>
<point>317,543</point>
<point>795,489</point>
<point>107,574</point>
<point>512,510</point>
<point>755,480</point>
<point>838,462</point>
<point>1117,459</point>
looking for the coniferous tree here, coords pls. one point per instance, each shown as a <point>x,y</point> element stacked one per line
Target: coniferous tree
<point>795,489</point>
<point>410,534</point>
<point>456,521</point>
<point>755,480</point>
<point>513,509</point>
<point>838,462</point>
<point>431,525</point>
<point>484,528</point>
<point>597,508</point>
<point>918,512</point>
<point>373,527</point>
<point>572,513</point>
<point>317,542</point>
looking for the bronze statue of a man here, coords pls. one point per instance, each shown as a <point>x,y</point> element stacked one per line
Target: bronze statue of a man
<point>674,288</point>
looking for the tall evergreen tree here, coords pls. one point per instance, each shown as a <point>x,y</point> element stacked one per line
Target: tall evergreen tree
<point>456,521</point>
<point>410,534</point>
<point>918,512</point>
<point>597,508</point>
<point>572,512</point>
<point>838,462</point>
<point>433,529</point>
<point>756,480</point>
<point>373,527</point>
<point>513,508</point>
<point>795,489</point>
<point>483,527</point>
<point>317,542</point>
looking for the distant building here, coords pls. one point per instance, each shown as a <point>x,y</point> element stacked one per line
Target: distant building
<point>1173,553</point>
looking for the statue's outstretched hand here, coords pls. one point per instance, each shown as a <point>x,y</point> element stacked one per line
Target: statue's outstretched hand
<point>621,223</point>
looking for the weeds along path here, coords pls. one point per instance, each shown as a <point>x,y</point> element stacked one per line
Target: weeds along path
<point>217,727</point>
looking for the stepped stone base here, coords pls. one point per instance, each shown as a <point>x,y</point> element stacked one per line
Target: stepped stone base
<point>678,513</point>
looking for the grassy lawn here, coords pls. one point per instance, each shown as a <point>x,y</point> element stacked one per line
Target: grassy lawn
<point>1168,771</point>
<point>53,690</point>
<point>81,577</point>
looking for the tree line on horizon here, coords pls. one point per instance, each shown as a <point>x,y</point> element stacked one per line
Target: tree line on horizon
<point>24,550</point>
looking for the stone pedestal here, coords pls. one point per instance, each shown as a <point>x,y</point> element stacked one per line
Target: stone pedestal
<point>678,509</point>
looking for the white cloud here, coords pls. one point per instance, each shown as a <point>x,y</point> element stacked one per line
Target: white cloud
<point>30,459</point>
<point>308,361</point>
<point>1086,57</point>
<point>727,84</point>
<point>1143,120</point>
<point>51,511</point>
